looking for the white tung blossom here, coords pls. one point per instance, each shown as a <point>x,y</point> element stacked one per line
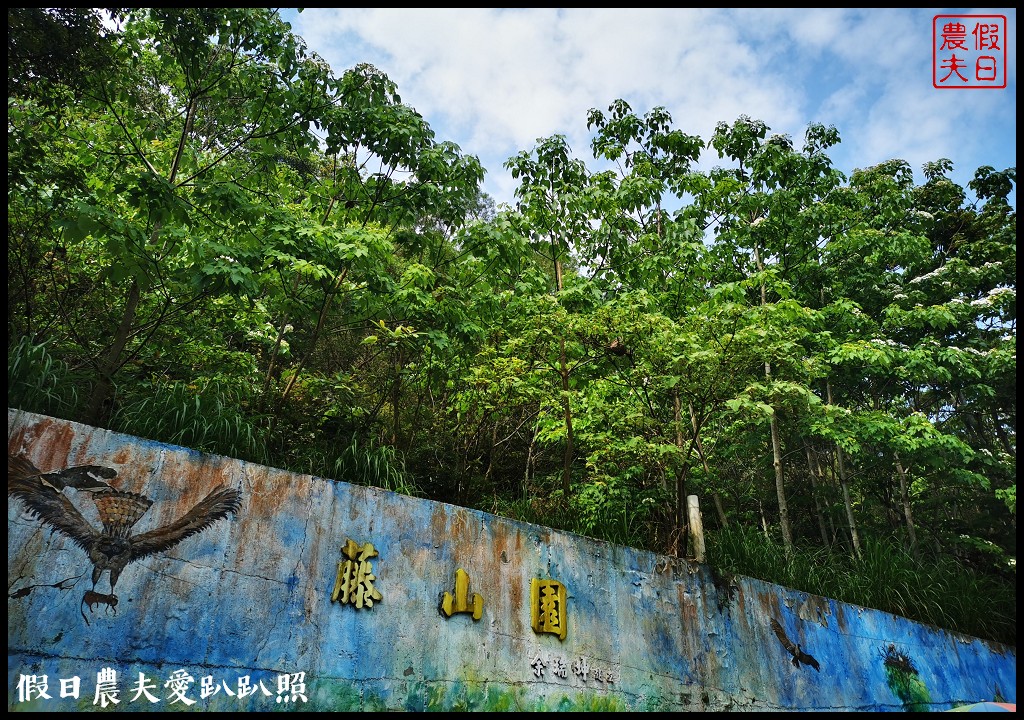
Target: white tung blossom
<point>993,295</point>
<point>928,276</point>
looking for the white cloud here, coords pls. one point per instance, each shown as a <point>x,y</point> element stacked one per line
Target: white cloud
<point>496,80</point>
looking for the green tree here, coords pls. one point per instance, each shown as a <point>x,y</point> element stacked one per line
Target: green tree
<point>204,176</point>
<point>222,243</point>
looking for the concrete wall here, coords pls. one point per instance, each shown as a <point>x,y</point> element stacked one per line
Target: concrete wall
<point>244,603</point>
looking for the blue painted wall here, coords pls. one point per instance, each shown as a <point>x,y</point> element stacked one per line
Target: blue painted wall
<point>246,604</point>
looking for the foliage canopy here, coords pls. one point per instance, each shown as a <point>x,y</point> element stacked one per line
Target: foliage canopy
<point>222,243</point>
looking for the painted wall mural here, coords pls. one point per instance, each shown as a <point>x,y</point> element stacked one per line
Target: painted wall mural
<point>246,588</point>
<point>113,546</point>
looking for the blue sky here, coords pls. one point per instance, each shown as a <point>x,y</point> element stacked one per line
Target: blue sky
<point>494,81</point>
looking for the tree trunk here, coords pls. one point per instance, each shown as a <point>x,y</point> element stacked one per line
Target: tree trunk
<point>492,448</point>
<point>396,418</point>
<point>101,400</point>
<point>846,501</point>
<point>719,508</point>
<point>905,501</point>
<point>563,371</point>
<point>814,470</point>
<point>271,363</point>
<point>315,337</point>
<point>567,460</point>
<point>841,470</point>
<point>680,504</point>
<point>780,488</point>
<point>529,459</point>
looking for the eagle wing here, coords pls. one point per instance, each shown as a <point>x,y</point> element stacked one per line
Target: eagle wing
<point>221,502</point>
<point>809,660</point>
<point>18,467</point>
<point>52,507</point>
<point>781,635</point>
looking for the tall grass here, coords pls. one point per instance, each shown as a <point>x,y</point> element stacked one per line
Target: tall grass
<point>218,417</point>
<point>939,592</point>
<point>212,417</point>
<point>600,510</point>
<point>361,463</point>
<point>38,382</point>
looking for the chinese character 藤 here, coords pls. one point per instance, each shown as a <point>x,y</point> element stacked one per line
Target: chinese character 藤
<point>354,584</point>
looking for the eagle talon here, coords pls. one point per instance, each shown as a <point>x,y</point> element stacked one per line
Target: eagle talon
<point>95,599</point>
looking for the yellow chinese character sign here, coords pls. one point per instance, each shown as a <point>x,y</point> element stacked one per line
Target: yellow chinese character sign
<point>354,584</point>
<point>461,602</point>
<point>547,607</point>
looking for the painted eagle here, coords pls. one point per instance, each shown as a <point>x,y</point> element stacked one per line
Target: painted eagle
<point>113,546</point>
<point>794,649</point>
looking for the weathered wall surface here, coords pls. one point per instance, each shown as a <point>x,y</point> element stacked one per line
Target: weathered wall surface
<point>244,603</point>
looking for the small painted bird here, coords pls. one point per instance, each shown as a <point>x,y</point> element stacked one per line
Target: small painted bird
<point>799,656</point>
<point>80,477</point>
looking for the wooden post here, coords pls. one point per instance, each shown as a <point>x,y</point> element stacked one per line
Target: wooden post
<point>696,528</point>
